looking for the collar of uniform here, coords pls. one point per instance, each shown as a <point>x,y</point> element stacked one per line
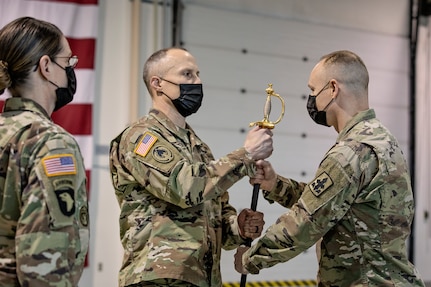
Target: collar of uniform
<point>182,133</point>
<point>359,117</point>
<point>21,104</point>
<point>164,120</point>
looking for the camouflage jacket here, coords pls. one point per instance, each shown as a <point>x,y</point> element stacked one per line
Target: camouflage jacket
<point>360,204</point>
<point>43,201</point>
<point>175,212</point>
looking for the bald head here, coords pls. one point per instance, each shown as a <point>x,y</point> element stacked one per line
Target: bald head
<point>348,68</point>
<point>160,62</point>
<point>341,79</point>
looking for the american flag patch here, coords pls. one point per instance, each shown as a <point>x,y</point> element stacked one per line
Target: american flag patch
<point>145,144</point>
<point>60,164</point>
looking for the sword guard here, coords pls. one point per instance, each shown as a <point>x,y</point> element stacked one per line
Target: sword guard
<point>263,124</point>
<point>266,123</point>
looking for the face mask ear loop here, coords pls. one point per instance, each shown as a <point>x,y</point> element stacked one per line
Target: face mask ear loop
<point>330,102</point>
<point>165,95</point>
<point>53,84</point>
<point>169,82</point>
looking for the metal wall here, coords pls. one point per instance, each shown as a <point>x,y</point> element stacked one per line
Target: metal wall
<point>239,52</point>
<point>241,46</point>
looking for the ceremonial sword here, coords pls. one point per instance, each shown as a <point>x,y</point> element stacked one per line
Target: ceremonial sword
<point>266,124</point>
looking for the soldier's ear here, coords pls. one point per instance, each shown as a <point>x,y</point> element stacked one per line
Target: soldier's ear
<point>333,86</point>
<point>155,82</point>
<point>45,66</point>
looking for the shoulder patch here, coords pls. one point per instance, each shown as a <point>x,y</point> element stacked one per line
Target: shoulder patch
<point>162,154</point>
<point>83,216</point>
<point>59,164</point>
<point>331,180</point>
<point>66,201</point>
<point>145,143</point>
<point>320,184</point>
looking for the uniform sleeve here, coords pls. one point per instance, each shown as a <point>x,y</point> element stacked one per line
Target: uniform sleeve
<point>324,201</point>
<point>230,235</point>
<point>52,233</point>
<point>286,192</point>
<point>174,176</point>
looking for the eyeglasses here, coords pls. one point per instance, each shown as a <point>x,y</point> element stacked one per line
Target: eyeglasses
<point>73,61</point>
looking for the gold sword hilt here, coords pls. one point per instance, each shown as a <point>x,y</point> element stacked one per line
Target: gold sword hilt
<point>266,123</point>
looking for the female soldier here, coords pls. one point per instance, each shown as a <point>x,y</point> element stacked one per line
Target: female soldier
<point>43,201</point>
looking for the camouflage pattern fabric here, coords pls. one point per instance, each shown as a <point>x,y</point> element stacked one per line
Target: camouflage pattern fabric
<point>163,283</point>
<point>175,212</point>
<point>43,201</point>
<point>358,209</point>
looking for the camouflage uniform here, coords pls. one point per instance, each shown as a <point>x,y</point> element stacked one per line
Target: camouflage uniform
<point>360,204</point>
<point>43,202</point>
<point>175,215</point>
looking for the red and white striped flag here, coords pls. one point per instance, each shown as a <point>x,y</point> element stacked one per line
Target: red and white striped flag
<point>78,20</point>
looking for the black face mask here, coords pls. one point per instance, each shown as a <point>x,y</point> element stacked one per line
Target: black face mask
<point>190,98</point>
<point>317,116</point>
<point>65,95</point>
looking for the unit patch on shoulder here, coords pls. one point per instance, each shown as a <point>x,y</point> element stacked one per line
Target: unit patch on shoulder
<point>320,184</point>
<point>162,154</point>
<point>66,201</point>
<point>145,143</point>
<point>59,164</point>
<point>83,216</point>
